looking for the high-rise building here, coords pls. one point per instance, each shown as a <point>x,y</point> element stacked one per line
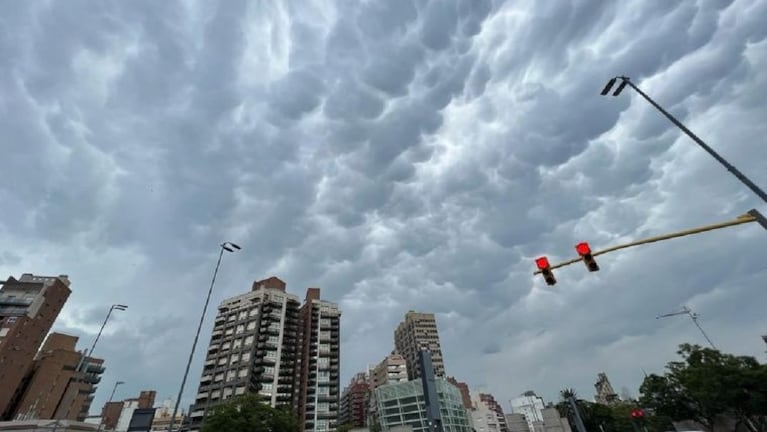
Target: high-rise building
<point>253,349</point>
<point>416,331</point>
<point>353,411</point>
<point>605,393</point>
<point>28,307</point>
<point>531,406</point>
<point>319,378</point>
<point>485,419</point>
<point>517,423</point>
<point>266,342</point>
<point>54,389</point>
<point>465,393</point>
<point>403,404</point>
<point>489,401</point>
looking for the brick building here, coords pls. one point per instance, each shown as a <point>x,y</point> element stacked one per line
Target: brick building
<point>28,307</point>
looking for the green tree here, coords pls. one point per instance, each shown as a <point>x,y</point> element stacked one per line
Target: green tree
<point>249,413</point>
<point>344,428</point>
<point>708,386</point>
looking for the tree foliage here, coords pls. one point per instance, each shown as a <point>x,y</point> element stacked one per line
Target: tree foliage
<point>608,418</point>
<point>248,413</point>
<point>708,386</point>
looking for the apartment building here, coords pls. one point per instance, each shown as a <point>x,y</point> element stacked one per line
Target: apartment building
<point>252,349</point>
<point>28,307</point>
<point>320,382</point>
<point>419,330</point>
<point>404,404</point>
<point>266,342</point>
<point>53,388</point>
<point>489,401</point>
<point>353,411</point>
<point>392,369</point>
<point>465,393</point>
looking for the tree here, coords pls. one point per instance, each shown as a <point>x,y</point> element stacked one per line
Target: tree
<point>708,386</point>
<point>346,427</point>
<point>249,413</point>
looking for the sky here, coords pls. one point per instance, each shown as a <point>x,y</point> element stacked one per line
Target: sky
<point>400,155</point>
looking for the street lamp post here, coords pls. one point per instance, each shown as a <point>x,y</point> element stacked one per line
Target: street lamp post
<point>626,81</point>
<point>226,246</point>
<point>89,353</point>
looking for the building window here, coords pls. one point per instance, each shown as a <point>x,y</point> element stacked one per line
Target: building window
<point>323,362</point>
<point>245,357</point>
<point>274,340</point>
<point>251,325</point>
<point>321,425</point>
<point>271,354</point>
<point>226,345</point>
<point>243,373</point>
<point>274,326</point>
<point>253,312</point>
<point>239,390</point>
<point>219,377</point>
<point>324,348</point>
<point>237,343</point>
<point>325,322</point>
<point>243,315</point>
<point>322,407</point>
<point>215,394</point>
<point>231,375</point>
<point>248,341</point>
<point>240,328</point>
<point>266,388</point>
<point>323,376</point>
<point>323,391</point>
<point>227,393</point>
<point>229,332</point>
<point>325,335</point>
<point>222,361</point>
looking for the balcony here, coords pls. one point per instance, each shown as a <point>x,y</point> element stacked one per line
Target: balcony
<point>14,301</point>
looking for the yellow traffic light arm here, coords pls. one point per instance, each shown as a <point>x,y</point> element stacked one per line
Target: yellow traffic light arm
<point>743,219</point>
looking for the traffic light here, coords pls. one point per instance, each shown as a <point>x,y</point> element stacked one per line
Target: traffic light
<point>545,268</point>
<point>637,414</point>
<point>584,250</point>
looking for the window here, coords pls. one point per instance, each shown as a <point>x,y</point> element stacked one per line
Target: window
<point>215,394</point>
<point>274,326</point>
<point>239,390</point>
<point>242,373</point>
<point>274,340</point>
<point>227,393</point>
<point>231,375</point>
<point>237,343</point>
<point>222,361</point>
<point>271,354</point>
<point>321,425</point>
<point>266,388</point>
<point>232,317</point>
<point>322,407</point>
<point>323,391</point>
<point>10,320</point>
<point>234,358</point>
<point>325,322</point>
<point>324,361</point>
<point>269,370</point>
<point>229,331</point>
<point>246,357</point>
<point>325,335</point>
<point>243,315</point>
<point>226,345</point>
<point>249,341</point>
<point>219,377</point>
<point>251,325</point>
<point>324,348</point>
<point>240,328</point>
<point>253,312</point>
<point>323,376</point>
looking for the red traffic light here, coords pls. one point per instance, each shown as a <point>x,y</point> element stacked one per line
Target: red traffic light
<point>637,413</point>
<point>583,248</point>
<point>542,263</point>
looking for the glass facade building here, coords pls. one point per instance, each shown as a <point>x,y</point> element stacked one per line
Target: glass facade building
<point>403,403</point>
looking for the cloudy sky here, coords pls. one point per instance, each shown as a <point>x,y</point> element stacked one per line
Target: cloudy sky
<point>399,155</point>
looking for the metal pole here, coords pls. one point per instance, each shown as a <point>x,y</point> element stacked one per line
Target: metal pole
<point>742,177</point>
<point>578,421</point>
<point>694,318</point>
<point>194,344</point>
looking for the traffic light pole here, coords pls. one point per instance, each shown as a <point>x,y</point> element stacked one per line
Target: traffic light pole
<point>751,216</point>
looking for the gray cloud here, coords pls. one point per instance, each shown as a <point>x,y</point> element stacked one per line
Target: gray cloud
<point>400,155</point>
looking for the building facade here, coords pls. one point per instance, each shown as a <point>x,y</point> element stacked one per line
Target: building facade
<point>28,307</point>
<point>530,405</point>
<point>465,393</point>
<point>489,401</point>
<point>403,404</point>
<point>54,389</point>
<point>517,423</point>
<point>392,369</point>
<point>352,410</point>
<point>266,342</point>
<point>484,419</point>
<point>319,378</point>
<point>419,330</point>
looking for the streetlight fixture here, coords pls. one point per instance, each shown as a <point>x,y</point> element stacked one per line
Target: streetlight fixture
<point>226,246</point>
<point>114,307</point>
<point>626,81</point>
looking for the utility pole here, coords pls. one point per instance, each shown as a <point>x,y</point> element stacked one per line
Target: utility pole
<point>693,316</point>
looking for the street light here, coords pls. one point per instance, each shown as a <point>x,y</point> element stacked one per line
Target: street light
<point>226,246</point>
<point>112,308</point>
<point>626,81</point>
<point>111,396</point>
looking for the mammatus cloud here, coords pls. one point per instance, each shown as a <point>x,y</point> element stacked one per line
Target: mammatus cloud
<point>401,155</point>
